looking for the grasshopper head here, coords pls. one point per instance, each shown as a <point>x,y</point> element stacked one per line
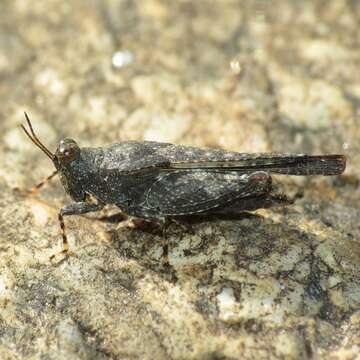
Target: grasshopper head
<point>66,152</point>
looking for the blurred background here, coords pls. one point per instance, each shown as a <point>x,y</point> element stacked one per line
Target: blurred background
<point>248,76</point>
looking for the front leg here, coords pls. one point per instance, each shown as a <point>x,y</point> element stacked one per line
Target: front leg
<point>77,208</point>
<point>81,207</point>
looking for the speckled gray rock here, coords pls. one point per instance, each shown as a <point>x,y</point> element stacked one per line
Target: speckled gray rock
<point>249,76</point>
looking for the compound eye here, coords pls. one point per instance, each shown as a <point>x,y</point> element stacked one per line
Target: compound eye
<point>69,152</point>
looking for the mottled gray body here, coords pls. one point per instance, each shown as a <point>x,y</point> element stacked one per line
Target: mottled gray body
<point>155,181</point>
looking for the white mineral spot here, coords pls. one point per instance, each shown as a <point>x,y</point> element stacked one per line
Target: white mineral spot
<point>121,59</point>
<point>235,66</point>
<point>227,305</point>
<point>226,297</point>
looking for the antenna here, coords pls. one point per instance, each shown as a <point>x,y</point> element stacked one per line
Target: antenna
<point>35,139</point>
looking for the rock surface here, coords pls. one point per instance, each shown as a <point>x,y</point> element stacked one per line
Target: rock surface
<point>249,76</point>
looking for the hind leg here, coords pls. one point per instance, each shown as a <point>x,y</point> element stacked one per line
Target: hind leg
<point>259,195</point>
<point>261,201</point>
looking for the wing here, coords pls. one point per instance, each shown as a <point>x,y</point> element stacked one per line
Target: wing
<point>186,192</point>
<point>133,157</point>
<point>296,164</point>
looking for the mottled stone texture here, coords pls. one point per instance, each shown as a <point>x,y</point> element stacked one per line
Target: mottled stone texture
<point>243,75</point>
